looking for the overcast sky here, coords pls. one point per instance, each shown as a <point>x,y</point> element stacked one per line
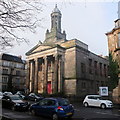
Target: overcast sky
<point>85,21</point>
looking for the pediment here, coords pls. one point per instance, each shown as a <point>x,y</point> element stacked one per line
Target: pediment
<point>38,48</point>
<point>41,48</point>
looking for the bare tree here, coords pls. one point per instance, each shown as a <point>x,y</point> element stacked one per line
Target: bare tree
<point>17,16</point>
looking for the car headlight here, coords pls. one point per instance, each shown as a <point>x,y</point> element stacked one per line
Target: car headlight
<point>109,102</point>
<point>17,104</point>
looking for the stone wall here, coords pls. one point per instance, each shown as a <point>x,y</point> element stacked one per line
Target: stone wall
<point>116,94</point>
<point>89,78</point>
<point>70,72</point>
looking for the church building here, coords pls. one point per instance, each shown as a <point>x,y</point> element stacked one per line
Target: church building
<point>58,65</point>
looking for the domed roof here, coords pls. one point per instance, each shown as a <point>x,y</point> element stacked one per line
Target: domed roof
<point>56,9</point>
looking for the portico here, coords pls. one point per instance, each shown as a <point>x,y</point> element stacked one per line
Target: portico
<point>45,72</point>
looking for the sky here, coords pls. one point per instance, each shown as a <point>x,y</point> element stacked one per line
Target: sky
<point>85,20</point>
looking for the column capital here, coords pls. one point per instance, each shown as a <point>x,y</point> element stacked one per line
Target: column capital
<point>45,57</point>
<point>35,59</point>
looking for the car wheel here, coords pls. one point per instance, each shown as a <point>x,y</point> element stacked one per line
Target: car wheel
<point>13,108</point>
<point>86,104</point>
<point>54,116</point>
<point>103,106</point>
<point>33,112</point>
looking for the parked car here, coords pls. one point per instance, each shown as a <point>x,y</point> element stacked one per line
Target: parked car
<point>20,94</point>
<point>1,95</point>
<point>54,108</point>
<point>33,97</point>
<point>97,101</point>
<point>14,102</point>
<point>7,93</point>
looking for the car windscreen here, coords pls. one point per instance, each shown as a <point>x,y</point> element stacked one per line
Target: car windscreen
<point>64,102</point>
<point>15,98</point>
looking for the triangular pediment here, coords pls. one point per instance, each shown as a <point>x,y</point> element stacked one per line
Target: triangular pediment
<point>38,48</point>
<point>41,48</point>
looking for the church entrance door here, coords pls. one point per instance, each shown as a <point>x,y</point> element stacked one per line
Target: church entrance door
<point>49,88</point>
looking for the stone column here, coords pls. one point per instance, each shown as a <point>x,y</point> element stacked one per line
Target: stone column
<point>60,74</point>
<point>36,76</point>
<point>52,72</point>
<point>45,75</point>
<point>55,81</point>
<point>32,75</point>
<point>42,76</point>
<point>28,76</point>
<point>30,82</point>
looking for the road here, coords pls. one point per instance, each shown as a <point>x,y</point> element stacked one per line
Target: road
<point>81,113</point>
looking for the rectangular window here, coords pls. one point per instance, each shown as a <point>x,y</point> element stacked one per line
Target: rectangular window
<point>6,63</point>
<point>5,71</point>
<point>105,70</point>
<point>17,80</point>
<point>83,68</point>
<point>19,65</point>
<point>95,67</point>
<point>90,62</point>
<point>100,69</point>
<point>95,64</point>
<point>4,79</point>
<point>17,72</point>
<point>90,66</point>
<point>4,87</point>
<point>83,85</point>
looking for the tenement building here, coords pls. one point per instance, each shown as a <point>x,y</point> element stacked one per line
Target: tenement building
<point>12,69</point>
<point>64,66</point>
<point>114,39</point>
<point>114,48</point>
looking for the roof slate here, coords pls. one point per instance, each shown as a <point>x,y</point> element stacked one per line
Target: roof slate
<point>12,58</point>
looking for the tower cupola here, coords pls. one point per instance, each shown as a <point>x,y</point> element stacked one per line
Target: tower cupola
<point>56,19</point>
<point>55,35</point>
<point>56,10</point>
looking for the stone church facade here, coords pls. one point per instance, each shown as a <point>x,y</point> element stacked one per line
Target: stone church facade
<point>64,66</point>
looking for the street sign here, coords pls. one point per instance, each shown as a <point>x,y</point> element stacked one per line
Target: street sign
<point>103,91</point>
